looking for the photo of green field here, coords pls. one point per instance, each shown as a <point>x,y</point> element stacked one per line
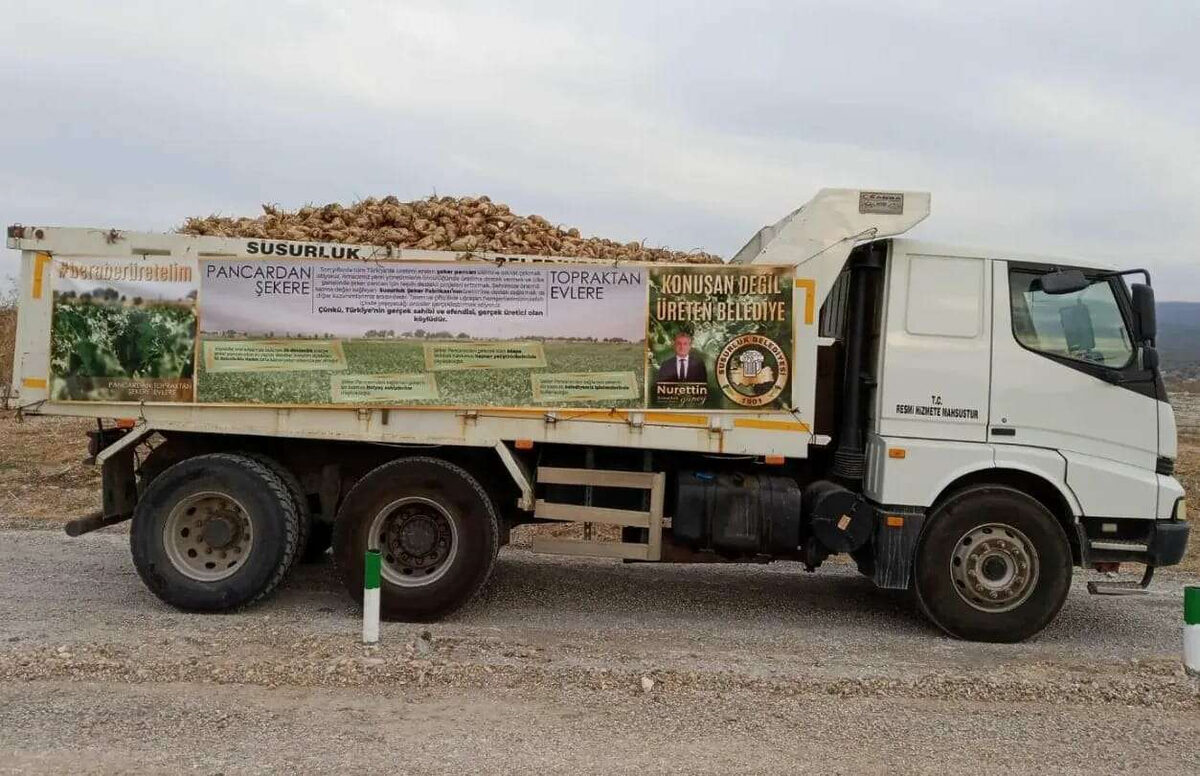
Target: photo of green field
<point>107,346</point>
<point>457,387</point>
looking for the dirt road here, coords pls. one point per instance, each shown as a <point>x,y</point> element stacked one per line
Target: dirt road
<point>753,669</point>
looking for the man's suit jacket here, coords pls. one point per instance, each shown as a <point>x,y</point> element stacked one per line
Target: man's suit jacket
<point>696,372</point>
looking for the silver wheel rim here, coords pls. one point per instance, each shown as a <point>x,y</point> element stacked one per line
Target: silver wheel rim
<point>418,541</point>
<point>994,567</point>
<point>208,536</point>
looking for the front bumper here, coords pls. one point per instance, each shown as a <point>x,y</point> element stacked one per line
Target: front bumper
<point>1169,543</point>
<point>1152,542</point>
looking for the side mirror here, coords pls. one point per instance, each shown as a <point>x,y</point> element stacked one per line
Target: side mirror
<point>1064,281</point>
<point>1143,308</point>
<point>1149,358</point>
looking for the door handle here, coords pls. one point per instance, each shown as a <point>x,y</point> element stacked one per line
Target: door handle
<point>1001,431</point>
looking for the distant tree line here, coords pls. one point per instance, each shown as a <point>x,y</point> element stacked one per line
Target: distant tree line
<point>113,296</point>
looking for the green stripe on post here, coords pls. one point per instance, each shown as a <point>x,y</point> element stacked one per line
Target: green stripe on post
<point>1191,605</point>
<point>371,570</point>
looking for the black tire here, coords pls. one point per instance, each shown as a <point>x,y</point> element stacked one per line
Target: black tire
<point>985,514</point>
<point>456,497</point>
<point>269,512</point>
<point>299,500</point>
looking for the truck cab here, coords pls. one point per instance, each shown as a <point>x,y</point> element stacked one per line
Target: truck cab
<point>978,397</point>
<point>985,366</point>
<point>991,375</point>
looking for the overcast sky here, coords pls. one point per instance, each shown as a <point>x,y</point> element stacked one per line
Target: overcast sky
<point>1065,127</point>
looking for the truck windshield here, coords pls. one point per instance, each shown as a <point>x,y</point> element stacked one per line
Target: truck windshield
<point>1084,326</point>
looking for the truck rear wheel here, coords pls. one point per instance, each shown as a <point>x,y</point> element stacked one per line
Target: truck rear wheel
<point>435,527</point>
<point>299,500</point>
<point>214,532</point>
<point>315,534</point>
<point>992,565</point>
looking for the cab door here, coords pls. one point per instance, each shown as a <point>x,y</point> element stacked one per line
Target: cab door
<point>1057,367</point>
<point>937,351</point>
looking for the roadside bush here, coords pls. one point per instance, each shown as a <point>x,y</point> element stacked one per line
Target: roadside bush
<point>8,334</point>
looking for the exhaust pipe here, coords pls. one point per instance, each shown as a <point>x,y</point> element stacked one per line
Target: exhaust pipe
<point>849,458</point>
<point>93,521</point>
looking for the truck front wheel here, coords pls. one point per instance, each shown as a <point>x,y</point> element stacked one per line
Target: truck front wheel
<point>992,565</point>
<point>214,532</point>
<point>435,527</point>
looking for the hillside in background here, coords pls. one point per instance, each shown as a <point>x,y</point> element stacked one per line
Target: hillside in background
<point>1179,338</point>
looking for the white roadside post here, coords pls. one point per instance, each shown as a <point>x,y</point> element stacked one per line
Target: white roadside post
<point>1191,630</point>
<point>370,633</point>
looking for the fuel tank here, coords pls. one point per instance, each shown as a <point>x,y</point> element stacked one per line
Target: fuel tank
<point>733,512</point>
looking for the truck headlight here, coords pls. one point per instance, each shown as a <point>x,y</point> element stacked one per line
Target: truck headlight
<point>1180,511</point>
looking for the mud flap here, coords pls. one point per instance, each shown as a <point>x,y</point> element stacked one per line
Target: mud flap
<point>119,484</point>
<point>897,529</point>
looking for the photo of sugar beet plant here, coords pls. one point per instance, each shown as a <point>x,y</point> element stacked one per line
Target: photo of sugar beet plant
<point>103,335</point>
<point>493,387</point>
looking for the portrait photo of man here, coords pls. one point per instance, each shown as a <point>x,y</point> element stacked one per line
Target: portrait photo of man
<point>686,366</point>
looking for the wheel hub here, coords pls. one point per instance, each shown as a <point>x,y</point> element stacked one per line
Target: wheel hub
<point>208,536</point>
<point>220,531</point>
<point>994,567</point>
<point>418,540</point>
<point>418,536</point>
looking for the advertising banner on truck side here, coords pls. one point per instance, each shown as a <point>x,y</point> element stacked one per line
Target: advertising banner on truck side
<point>720,337</point>
<point>300,332</point>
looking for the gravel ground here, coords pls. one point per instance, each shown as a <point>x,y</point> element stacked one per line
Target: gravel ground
<point>750,669</point>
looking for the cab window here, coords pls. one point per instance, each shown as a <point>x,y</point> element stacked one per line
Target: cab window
<point>1084,326</point>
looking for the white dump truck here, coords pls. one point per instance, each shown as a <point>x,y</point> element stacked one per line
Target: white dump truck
<point>968,424</point>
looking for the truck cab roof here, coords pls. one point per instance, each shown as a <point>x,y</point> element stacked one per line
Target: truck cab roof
<point>928,248</point>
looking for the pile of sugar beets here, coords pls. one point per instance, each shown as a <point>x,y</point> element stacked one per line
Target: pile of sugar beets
<point>467,224</point>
